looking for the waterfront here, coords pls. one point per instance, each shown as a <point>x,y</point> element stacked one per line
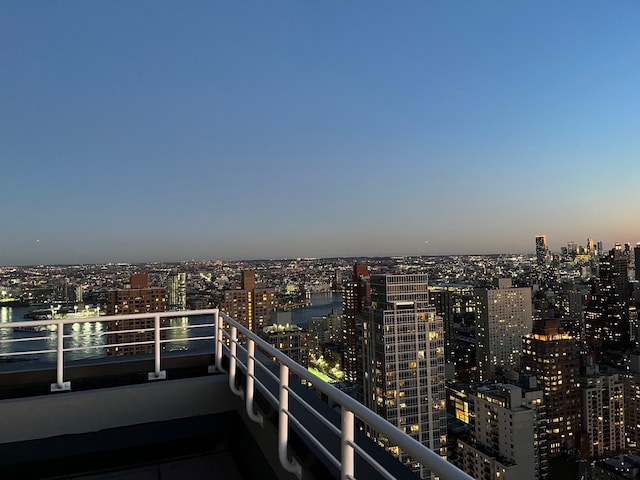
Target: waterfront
<point>88,339</point>
<point>321,305</point>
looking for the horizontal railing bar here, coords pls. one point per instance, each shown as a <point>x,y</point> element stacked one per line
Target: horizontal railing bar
<point>189,327</point>
<point>266,370</point>
<point>332,458</point>
<point>313,411</point>
<point>22,340</point>
<point>107,318</point>
<point>372,461</point>
<point>28,352</point>
<point>427,457</point>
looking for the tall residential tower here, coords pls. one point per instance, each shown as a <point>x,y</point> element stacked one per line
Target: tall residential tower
<point>353,301</point>
<point>503,317</point>
<point>552,356</point>
<point>403,360</point>
<point>177,291</point>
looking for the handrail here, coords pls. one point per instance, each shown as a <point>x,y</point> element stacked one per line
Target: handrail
<point>59,324</point>
<point>350,410</point>
<point>227,335</point>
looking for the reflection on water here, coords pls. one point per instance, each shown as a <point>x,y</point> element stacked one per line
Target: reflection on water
<point>87,340</point>
<point>177,334</point>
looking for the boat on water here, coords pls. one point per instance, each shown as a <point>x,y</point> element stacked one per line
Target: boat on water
<point>39,314</point>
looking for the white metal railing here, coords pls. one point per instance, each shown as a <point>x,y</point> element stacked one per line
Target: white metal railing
<point>229,338</point>
<point>58,326</point>
<point>349,407</point>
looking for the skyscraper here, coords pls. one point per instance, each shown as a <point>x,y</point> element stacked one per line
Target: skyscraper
<point>403,360</point>
<point>603,414</point>
<point>177,291</point>
<point>542,251</point>
<point>139,298</point>
<point>454,303</point>
<point>631,382</point>
<point>613,298</point>
<point>552,356</point>
<point>503,317</point>
<point>353,301</point>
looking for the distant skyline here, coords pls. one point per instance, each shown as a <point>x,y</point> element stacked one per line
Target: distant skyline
<point>157,131</point>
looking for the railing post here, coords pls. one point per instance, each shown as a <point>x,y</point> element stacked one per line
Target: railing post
<point>233,348</point>
<point>157,374</point>
<point>348,437</point>
<point>283,424</point>
<point>60,385</point>
<point>251,368</point>
<point>217,348</point>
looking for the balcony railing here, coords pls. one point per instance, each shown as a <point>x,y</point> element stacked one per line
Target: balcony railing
<point>250,357</point>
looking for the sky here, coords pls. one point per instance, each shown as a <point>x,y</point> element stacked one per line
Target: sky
<point>168,131</point>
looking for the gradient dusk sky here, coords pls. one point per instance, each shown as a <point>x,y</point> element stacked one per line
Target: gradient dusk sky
<point>164,131</point>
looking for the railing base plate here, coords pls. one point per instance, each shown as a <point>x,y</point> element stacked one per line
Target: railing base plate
<point>66,387</point>
<point>162,375</point>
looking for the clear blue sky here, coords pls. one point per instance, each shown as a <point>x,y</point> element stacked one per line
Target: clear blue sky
<point>151,130</point>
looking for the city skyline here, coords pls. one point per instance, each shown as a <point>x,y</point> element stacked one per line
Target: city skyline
<point>156,132</point>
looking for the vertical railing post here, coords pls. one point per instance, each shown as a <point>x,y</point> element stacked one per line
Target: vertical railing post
<point>251,368</point>
<point>219,327</point>
<point>60,385</point>
<point>217,345</point>
<point>348,437</point>
<point>157,374</point>
<point>283,424</point>
<point>233,349</point>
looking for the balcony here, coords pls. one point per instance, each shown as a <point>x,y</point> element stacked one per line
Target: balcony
<point>218,407</point>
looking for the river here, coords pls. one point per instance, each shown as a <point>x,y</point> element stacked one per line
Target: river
<point>87,338</point>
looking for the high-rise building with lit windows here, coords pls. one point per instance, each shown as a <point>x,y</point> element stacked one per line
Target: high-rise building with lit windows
<point>552,356</point>
<point>503,316</point>
<point>138,298</point>
<point>631,383</point>
<point>353,301</point>
<point>403,362</point>
<point>507,437</point>
<point>291,340</point>
<point>603,414</point>
<point>177,291</point>
<point>542,250</point>
<point>251,304</point>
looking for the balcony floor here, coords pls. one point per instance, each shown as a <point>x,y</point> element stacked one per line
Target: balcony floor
<point>214,466</point>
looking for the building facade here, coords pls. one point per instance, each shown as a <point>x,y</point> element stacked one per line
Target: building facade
<point>289,339</point>
<point>603,414</point>
<point>177,291</point>
<point>542,250</point>
<point>552,356</point>
<point>504,315</point>
<point>354,294</point>
<point>507,438</point>
<point>403,362</point>
<point>139,298</point>
<point>250,304</point>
